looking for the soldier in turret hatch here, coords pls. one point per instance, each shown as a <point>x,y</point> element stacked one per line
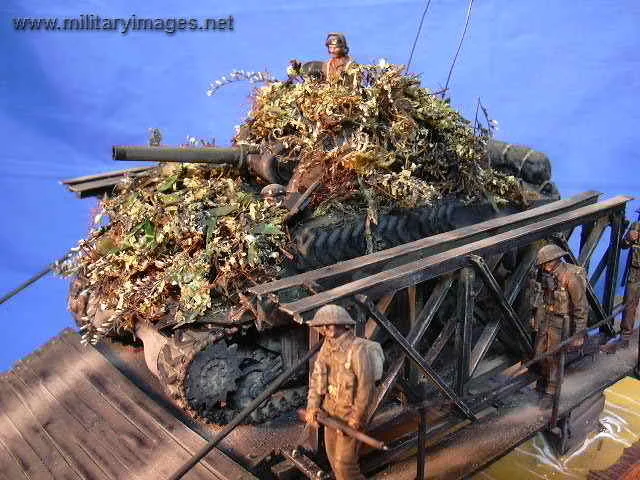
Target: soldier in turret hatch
<point>563,306</point>
<point>337,47</point>
<point>343,385</point>
<point>331,70</point>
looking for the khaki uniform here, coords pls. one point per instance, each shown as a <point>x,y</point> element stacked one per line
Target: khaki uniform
<point>632,289</point>
<point>334,68</point>
<point>567,301</point>
<point>343,384</point>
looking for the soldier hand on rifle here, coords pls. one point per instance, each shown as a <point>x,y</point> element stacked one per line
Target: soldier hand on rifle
<point>311,417</point>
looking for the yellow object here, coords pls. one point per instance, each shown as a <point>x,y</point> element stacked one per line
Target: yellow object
<point>535,459</point>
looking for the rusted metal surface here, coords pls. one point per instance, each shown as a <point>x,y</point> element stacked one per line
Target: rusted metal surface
<point>414,355</point>
<point>496,291</point>
<point>429,245</point>
<point>66,412</point>
<point>425,318</point>
<point>451,260</point>
<point>337,424</point>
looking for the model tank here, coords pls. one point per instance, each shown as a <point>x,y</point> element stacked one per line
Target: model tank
<point>323,170</point>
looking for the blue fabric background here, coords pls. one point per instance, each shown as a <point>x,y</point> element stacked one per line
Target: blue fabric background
<point>561,76</point>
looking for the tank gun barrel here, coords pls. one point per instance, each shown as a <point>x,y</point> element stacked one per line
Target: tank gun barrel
<point>235,156</point>
<point>247,158</point>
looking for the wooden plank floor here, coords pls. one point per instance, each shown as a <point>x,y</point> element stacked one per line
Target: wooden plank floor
<point>67,413</point>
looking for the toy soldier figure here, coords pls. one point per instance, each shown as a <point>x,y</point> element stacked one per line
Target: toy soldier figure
<point>632,289</point>
<point>343,384</point>
<point>563,309</point>
<point>336,44</point>
<point>333,69</point>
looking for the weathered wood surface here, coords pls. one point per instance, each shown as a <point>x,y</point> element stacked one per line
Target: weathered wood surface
<point>67,413</point>
<point>103,182</point>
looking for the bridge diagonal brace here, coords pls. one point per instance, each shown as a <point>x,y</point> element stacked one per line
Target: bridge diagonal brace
<point>411,352</point>
<point>517,280</point>
<point>481,347</point>
<point>599,270</point>
<point>611,274</point>
<point>592,240</point>
<point>418,330</point>
<point>440,342</point>
<point>463,339</point>
<point>491,282</point>
<point>591,294</point>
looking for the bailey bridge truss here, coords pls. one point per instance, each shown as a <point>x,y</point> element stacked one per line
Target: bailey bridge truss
<point>399,297</point>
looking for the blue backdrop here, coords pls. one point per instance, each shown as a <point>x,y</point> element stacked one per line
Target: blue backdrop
<point>562,77</point>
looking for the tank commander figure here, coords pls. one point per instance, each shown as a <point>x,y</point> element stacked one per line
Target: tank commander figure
<point>337,47</point>
<point>331,70</point>
<point>562,304</point>
<point>342,385</point>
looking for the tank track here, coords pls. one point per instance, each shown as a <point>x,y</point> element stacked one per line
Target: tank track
<point>225,376</point>
<point>320,246</point>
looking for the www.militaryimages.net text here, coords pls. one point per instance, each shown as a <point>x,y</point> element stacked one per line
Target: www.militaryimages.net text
<point>124,26</point>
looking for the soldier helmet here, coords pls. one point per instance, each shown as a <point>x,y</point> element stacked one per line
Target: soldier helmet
<point>331,315</point>
<point>273,190</point>
<point>549,253</point>
<point>340,38</point>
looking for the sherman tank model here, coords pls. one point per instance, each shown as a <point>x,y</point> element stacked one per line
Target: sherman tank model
<point>319,173</point>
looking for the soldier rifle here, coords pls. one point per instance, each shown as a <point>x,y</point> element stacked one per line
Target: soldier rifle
<point>337,424</point>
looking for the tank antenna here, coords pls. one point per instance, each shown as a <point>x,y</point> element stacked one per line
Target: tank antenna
<point>464,32</point>
<point>32,280</point>
<point>415,41</point>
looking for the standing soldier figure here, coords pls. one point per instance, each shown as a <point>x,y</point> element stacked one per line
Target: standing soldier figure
<point>632,289</point>
<point>343,384</point>
<point>563,306</point>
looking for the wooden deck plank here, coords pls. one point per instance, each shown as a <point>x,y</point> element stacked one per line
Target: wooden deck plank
<point>131,446</point>
<point>71,439</point>
<point>89,404</point>
<point>9,467</point>
<point>168,454</point>
<point>140,409</point>
<point>24,425</point>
